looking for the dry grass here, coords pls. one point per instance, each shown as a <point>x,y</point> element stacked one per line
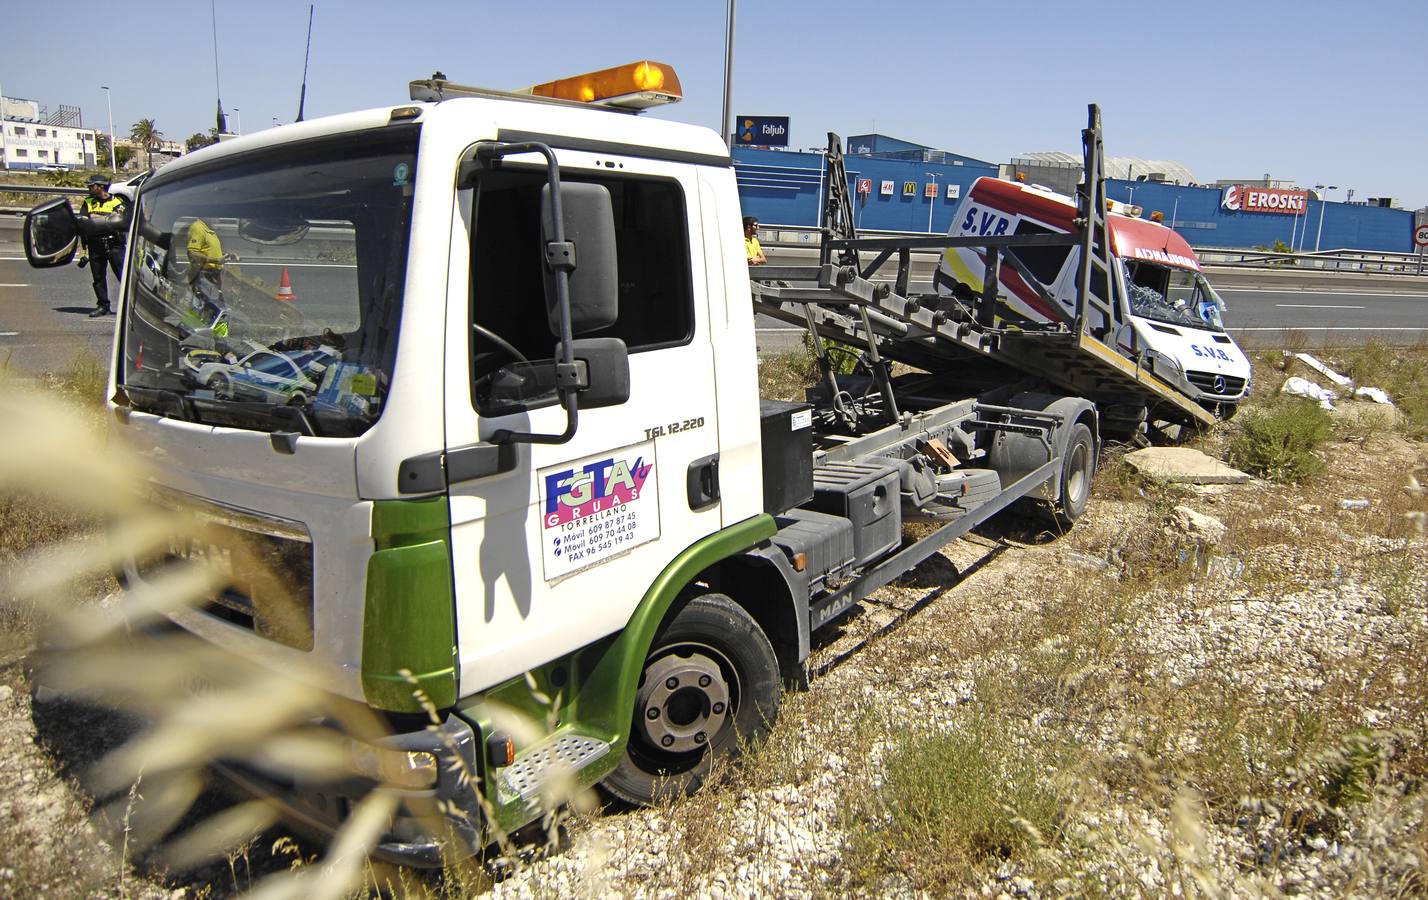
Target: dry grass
<point>1135,729</point>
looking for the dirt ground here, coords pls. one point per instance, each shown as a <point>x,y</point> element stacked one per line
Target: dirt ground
<point>1066,647</point>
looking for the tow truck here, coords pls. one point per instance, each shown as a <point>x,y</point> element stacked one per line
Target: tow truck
<point>538,476</point>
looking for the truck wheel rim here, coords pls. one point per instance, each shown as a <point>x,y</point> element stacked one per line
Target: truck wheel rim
<point>685,700</point>
<point>1077,480</point>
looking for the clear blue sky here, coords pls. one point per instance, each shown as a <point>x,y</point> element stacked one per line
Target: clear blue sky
<point>1321,93</point>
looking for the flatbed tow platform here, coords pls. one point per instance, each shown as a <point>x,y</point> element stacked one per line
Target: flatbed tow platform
<point>840,300</point>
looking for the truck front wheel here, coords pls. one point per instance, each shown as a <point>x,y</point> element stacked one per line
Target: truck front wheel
<point>710,684</point>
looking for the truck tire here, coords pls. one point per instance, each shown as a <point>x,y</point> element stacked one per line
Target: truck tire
<point>1078,466</point>
<point>710,686</point>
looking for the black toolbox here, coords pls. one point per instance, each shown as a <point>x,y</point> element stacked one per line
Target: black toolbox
<point>867,494</point>
<point>786,432</point>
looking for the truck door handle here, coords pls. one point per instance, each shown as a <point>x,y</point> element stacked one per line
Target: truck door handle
<point>702,481</point>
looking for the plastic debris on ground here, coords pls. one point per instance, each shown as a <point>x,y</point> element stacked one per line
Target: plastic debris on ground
<point>1353,503</point>
<point>1303,387</point>
<point>1311,362</point>
<point>1374,394</point>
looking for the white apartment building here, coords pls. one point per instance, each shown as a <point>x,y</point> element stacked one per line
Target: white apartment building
<point>29,142</point>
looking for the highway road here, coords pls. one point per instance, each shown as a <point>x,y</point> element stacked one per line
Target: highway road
<point>1266,316</point>
<point>44,324</point>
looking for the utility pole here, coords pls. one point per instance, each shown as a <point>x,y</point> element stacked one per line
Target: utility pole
<point>4,158</point>
<point>728,120</point>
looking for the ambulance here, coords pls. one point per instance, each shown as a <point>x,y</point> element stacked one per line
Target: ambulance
<point>1167,316</point>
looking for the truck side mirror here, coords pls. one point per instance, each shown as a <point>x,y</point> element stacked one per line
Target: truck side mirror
<point>594,280</point>
<point>607,371</point>
<point>51,234</point>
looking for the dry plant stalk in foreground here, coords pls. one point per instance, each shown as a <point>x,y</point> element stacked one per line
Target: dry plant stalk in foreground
<point>202,704</point>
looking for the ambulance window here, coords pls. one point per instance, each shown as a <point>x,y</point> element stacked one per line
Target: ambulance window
<point>1043,262</point>
<point>656,301</point>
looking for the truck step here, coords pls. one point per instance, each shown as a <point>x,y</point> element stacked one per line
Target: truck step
<point>559,756</point>
<point>968,488</point>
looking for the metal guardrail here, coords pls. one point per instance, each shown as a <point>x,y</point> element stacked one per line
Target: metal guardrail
<point>45,189</point>
<point>1356,261</point>
<point>1361,262</point>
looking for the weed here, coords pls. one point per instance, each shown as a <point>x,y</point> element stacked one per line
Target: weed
<point>1278,441</point>
<point>951,801</point>
<point>785,376</point>
<point>1349,772</point>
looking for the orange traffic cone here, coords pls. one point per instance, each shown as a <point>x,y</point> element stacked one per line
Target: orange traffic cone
<point>285,289</point>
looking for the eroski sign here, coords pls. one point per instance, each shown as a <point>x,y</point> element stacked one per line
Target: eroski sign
<point>1246,198</point>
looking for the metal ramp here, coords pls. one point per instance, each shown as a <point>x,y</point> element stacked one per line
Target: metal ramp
<point>838,300</point>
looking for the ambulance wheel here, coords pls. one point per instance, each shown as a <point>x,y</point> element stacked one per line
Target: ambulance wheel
<point>710,686</point>
<point>1078,467</point>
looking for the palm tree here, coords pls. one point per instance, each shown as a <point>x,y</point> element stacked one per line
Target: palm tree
<point>147,135</point>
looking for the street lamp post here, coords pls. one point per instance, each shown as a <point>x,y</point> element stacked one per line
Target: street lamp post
<point>4,157</point>
<point>109,104</point>
<point>931,201</point>
<point>1320,233</point>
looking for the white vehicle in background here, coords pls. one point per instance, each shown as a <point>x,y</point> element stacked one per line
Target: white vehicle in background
<point>129,187</point>
<point>1167,316</point>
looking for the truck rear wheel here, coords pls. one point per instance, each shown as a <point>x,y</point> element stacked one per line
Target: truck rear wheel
<point>711,683</point>
<point>1078,466</point>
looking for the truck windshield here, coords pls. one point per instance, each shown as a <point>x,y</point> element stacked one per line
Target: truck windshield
<point>266,292</point>
<point>1174,296</point>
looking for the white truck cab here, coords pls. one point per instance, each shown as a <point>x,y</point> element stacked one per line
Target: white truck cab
<point>1168,316</point>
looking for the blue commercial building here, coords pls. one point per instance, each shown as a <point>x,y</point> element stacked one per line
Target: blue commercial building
<point>1197,213</point>
<point>908,185</point>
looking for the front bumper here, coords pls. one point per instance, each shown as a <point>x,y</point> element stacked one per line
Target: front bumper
<point>432,826</point>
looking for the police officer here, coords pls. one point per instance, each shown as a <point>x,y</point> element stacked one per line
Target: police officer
<point>104,219</point>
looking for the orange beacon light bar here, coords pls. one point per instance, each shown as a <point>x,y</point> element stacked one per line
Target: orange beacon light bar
<point>636,85</point>
<point>633,87</point>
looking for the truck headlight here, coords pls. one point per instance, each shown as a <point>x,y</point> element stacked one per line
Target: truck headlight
<point>410,769</point>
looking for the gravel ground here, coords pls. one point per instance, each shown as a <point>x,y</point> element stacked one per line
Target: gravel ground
<point>1302,594</point>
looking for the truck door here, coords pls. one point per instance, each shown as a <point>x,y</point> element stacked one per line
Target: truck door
<point>557,553</point>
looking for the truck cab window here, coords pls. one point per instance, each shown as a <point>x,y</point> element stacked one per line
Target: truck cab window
<point>512,346</point>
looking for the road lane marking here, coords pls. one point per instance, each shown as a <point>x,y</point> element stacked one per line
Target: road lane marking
<point>1312,306</point>
<point>9,334</point>
<point>13,285</point>
<point>1403,294</point>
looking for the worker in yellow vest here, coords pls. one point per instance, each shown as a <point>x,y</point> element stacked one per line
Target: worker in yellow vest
<point>104,222</point>
<point>205,255</point>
